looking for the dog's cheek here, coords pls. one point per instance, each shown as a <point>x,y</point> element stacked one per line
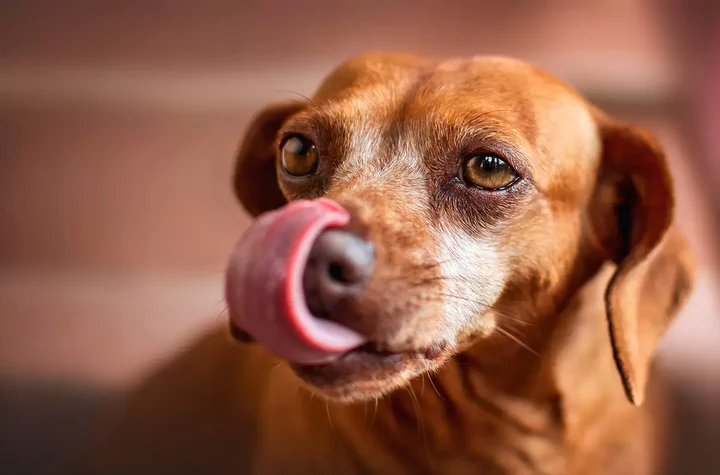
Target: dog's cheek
<point>474,274</point>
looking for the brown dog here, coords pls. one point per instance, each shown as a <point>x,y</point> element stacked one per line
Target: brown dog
<point>481,290</point>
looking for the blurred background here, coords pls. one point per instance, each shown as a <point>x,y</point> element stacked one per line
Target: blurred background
<point>118,126</point>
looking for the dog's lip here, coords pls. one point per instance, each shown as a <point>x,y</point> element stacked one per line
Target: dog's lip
<point>372,352</point>
<point>429,352</point>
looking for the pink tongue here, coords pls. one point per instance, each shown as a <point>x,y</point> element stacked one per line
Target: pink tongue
<point>264,284</point>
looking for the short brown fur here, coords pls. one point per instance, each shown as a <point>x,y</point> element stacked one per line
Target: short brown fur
<point>524,320</point>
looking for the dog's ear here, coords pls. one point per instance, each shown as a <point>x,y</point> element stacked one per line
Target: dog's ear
<point>632,215</point>
<point>255,180</point>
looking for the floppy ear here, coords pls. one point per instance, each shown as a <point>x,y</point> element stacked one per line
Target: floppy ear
<point>255,180</point>
<point>632,214</point>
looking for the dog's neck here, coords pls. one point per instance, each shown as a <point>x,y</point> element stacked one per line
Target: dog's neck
<point>469,416</point>
<point>464,420</point>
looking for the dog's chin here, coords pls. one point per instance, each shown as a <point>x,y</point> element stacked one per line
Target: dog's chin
<point>365,373</point>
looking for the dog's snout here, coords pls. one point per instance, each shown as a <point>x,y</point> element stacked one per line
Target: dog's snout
<point>338,269</point>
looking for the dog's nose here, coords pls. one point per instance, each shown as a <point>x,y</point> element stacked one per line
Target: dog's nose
<point>338,269</point>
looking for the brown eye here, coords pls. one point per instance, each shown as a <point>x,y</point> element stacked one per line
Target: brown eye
<point>489,172</point>
<point>299,156</point>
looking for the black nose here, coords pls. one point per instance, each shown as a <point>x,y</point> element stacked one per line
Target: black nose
<point>339,267</point>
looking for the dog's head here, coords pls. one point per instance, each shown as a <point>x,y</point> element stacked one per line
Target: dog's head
<point>463,203</point>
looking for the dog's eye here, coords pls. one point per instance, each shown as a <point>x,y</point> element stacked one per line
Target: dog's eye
<point>299,156</point>
<point>489,172</point>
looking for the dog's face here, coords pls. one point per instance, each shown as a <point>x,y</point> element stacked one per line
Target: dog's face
<point>485,189</point>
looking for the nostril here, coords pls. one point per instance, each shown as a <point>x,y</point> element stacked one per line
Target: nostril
<point>339,265</point>
<point>339,273</point>
<point>344,257</point>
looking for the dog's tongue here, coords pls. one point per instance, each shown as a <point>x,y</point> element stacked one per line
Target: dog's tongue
<point>264,284</point>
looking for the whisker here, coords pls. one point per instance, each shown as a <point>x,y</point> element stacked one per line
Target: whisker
<point>274,368</point>
<point>421,422</point>
<point>372,421</point>
<point>477,302</point>
<point>221,313</point>
<point>421,283</point>
<point>435,387</point>
<point>303,96</point>
<point>516,320</point>
<point>332,427</point>
<point>416,406</point>
<point>327,410</point>
<point>517,340</point>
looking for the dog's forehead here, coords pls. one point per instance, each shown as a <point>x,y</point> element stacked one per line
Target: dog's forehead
<point>387,83</point>
<point>401,79</point>
<point>387,87</point>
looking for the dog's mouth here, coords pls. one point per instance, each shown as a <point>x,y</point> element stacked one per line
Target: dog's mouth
<point>369,365</point>
<point>371,356</point>
<point>266,301</point>
<point>364,372</point>
<point>368,371</point>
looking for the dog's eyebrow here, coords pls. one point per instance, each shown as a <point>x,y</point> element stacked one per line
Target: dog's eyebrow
<point>310,118</point>
<point>519,118</point>
<point>499,138</point>
<point>322,125</point>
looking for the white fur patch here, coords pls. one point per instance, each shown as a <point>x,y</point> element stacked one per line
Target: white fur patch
<point>473,278</point>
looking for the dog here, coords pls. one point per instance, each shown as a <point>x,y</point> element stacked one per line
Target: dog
<point>458,266</point>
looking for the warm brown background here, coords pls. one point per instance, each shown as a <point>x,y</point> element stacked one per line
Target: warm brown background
<point>118,124</point>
